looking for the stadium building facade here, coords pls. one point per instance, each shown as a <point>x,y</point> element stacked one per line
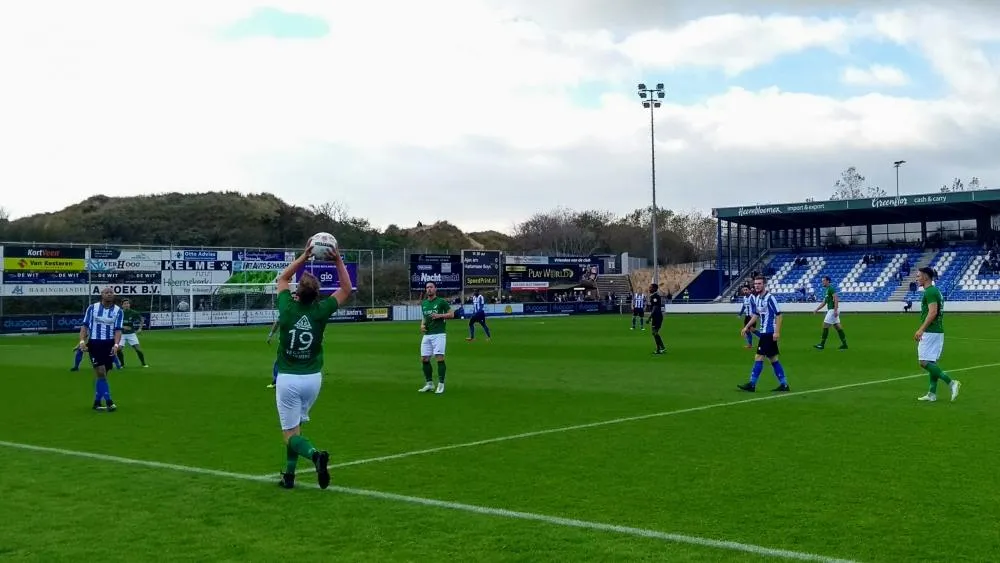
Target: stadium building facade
<point>870,248</point>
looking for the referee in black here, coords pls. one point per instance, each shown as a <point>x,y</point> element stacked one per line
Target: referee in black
<point>656,316</point>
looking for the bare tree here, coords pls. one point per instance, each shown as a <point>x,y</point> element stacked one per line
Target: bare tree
<point>4,214</point>
<point>852,185</point>
<point>974,185</point>
<point>556,231</point>
<point>332,210</point>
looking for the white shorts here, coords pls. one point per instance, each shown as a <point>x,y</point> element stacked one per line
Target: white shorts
<point>295,395</point>
<point>930,346</point>
<point>433,345</point>
<point>132,339</point>
<point>831,318</point>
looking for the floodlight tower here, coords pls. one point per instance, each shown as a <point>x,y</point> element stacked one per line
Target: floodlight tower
<point>896,165</point>
<point>651,100</point>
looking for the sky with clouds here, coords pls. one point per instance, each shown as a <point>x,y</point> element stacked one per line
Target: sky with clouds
<point>483,112</point>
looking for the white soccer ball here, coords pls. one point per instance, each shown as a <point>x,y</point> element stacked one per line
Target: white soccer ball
<point>323,246</point>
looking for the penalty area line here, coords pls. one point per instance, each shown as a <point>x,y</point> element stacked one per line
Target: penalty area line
<point>470,508</point>
<point>623,420</point>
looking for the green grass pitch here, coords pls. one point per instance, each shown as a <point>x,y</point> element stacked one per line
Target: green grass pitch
<point>848,466</point>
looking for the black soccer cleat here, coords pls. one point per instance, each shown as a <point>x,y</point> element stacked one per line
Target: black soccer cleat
<point>660,352</point>
<point>111,407</point>
<point>783,388</point>
<point>287,481</point>
<point>322,459</point>
<point>820,346</point>
<point>748,387</point>
<point>98,406</point>
<point>843,346</point>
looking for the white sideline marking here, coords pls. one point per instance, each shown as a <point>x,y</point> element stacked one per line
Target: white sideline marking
<point>629,419</point>
<point>483,510</point>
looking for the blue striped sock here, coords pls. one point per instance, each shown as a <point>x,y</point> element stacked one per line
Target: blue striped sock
<point>779,372</point>
<point>758,367</point>
<point>77,359</point>
<point>274,373</point>
<point>102,390</point>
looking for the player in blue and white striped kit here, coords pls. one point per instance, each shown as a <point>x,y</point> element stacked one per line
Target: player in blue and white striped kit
<point>101,336</point>
<point>767,311</point>
<point>746,311</point>
<point>639,310</point>
<point>478,316</point>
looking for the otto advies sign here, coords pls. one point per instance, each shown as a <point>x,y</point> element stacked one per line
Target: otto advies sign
<point>858,204</point>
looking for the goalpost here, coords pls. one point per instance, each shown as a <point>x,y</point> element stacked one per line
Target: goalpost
<point>231,304</point>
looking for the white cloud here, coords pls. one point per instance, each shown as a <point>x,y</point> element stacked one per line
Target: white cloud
<point>875,75</point>
<point>733,42</point>
<point>414,117</point>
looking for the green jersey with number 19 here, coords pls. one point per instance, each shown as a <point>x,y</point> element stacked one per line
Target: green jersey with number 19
<point>301,330</point>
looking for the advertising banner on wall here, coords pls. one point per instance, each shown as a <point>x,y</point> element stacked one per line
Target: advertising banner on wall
<point>249,255</point>
<point>44,290</point>
<point>44,259</point>
<point>481,268</point>
<point>445,270</point>
<point>63,278</point>
<point>535,277</point>
<point>182,269</point>
<point>114,259</point>
<point>327,274</point>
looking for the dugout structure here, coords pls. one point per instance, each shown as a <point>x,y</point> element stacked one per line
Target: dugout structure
<point>748,233</point>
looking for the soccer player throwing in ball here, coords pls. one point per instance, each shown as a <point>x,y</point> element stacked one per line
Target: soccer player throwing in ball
<point>930,335</point>
<point>832,303</point>
<point>301,325</point>
<point>435,311</point>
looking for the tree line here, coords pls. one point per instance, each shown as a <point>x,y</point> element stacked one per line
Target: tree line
<point>853,185</point>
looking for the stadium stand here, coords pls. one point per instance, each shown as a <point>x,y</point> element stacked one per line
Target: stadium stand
<point>866,275</point>
<point>870,248</point>
<point>967,273</point>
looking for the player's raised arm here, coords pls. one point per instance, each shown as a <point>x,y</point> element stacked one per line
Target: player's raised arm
<point>343,292</point>
<point>285,279</point>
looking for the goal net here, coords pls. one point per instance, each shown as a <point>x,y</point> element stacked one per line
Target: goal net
<point>230,304</point>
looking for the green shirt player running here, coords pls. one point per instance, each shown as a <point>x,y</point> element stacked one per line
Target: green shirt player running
<point>832,303</point>
<point>930,335</point>
<point>302,320</point>
<point>434,311</point>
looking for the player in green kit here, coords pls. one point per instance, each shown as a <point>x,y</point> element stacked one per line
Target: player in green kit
<point>301,323</point>
<point>832,303</point>
<point>131,327</point>
<point>930,335</point>
<point>435,310</point>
